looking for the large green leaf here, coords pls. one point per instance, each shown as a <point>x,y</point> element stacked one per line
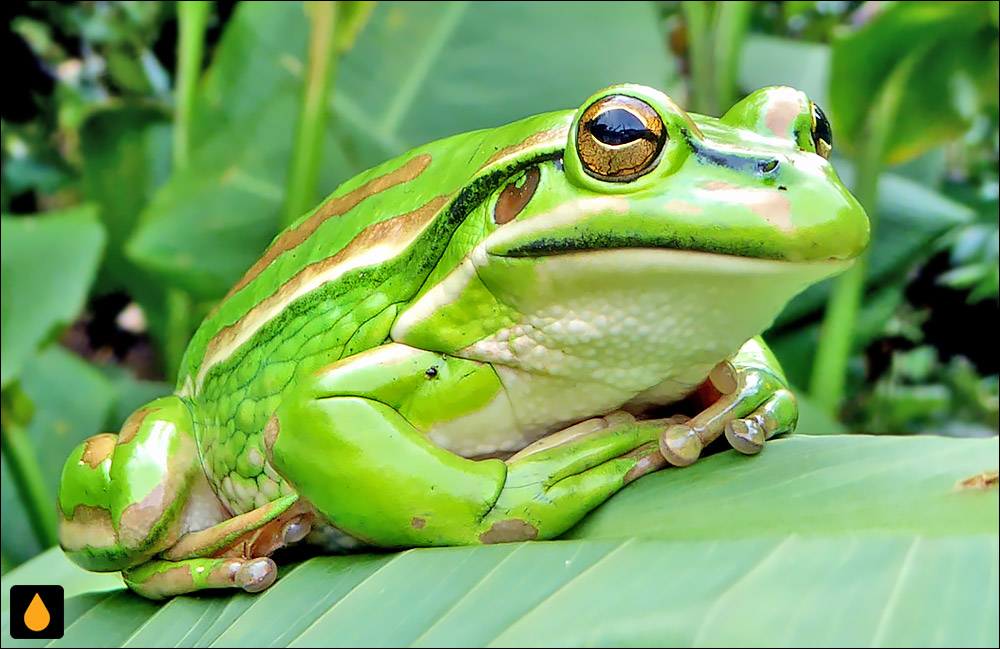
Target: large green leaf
<point>418,72</point>
<point>841,541</point>
<point>125,151</point>
<point>775,61</point>
<point>48,265</point>
<point>938,102</point>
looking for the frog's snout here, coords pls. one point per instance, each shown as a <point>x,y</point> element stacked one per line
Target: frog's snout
<point>827,221</point>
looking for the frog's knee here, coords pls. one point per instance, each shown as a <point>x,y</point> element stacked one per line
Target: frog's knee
<point>121,496</point>
<point>84,509</point>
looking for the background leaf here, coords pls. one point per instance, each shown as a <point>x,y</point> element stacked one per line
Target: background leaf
<point>48,266</point>
<point>395,89</point>
<point>940,33</point>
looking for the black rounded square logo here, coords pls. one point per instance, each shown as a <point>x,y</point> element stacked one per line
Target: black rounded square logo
<point>36,612</point>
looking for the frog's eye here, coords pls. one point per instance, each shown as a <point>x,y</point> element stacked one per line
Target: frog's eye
<point>619,138</point>
<point>822,134</point>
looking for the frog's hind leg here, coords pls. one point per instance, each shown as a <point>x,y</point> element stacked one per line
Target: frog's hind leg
<point>342,440</point>
<point>129,502</point>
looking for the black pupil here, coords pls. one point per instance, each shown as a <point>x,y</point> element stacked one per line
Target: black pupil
<point>617,126</point>
<point>822,130</point>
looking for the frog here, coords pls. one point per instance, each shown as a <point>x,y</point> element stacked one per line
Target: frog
<point>477,342</point>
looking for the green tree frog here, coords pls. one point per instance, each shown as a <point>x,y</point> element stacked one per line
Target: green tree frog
<point>479,341</point>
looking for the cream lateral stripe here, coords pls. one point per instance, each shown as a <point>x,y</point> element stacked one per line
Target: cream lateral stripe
<point>375,244</point>
<point>562,215</point>
<point>334,207</point>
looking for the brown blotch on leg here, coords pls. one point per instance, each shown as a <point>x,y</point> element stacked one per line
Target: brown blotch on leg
<point>87,527</point>
<point>418,523</point>
<point>98,448</point>
<point>649,459</point>
<point>271,430</point>
<point>137,521</point>
<point>132,424</point>
<point>509,531</point>
<point>167,583</point>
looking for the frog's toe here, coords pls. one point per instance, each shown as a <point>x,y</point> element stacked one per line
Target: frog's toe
<point>296,529</point>
<point>256,575</point>
<point>680,445</point>
<point>746,435</point>
<point>777,415</point>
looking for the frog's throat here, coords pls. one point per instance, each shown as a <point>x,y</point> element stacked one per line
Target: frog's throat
<point>720,301</point>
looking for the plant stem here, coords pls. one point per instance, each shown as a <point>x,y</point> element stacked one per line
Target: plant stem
<point>829,375</point>
<point>698,17</point>
<point>192,18</point>
<point>307,147</point>
<point>731,21</point>
<point>27,475</point>
<point>179,309</point>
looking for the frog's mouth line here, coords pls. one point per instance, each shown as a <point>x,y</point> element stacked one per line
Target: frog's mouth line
<point>547,247</point>
<point>677,257</point>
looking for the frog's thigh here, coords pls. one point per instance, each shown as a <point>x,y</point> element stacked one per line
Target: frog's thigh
<point>755,405</point>
<point>126,499</point>
<point>368,469</point>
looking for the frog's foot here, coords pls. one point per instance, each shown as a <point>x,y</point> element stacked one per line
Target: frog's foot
<point>232,554</point>
<point>162,579</point>
<point>753,406</point>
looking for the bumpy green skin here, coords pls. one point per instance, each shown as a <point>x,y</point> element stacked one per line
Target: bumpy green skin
<point>415,324</point>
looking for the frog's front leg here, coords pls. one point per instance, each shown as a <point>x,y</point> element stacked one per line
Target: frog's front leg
<point>352,440</point>
<point>754,404</point>
<point>132,501</point>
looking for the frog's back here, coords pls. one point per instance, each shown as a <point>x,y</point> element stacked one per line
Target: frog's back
<point>330,286</point>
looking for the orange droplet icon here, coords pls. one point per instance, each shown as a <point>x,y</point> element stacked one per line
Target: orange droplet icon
<point>36,617</point>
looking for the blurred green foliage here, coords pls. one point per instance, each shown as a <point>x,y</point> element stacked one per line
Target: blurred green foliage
<point>112,253</point>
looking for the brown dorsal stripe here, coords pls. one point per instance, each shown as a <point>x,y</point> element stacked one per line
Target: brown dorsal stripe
<point>400,230</point>
<point>333,207</point>
<point>131,426</point>
<point>513,198</point>
<point>97,449</point>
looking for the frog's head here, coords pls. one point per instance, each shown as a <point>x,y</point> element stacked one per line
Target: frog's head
<point>639,172</point>
<point>638,225</point>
